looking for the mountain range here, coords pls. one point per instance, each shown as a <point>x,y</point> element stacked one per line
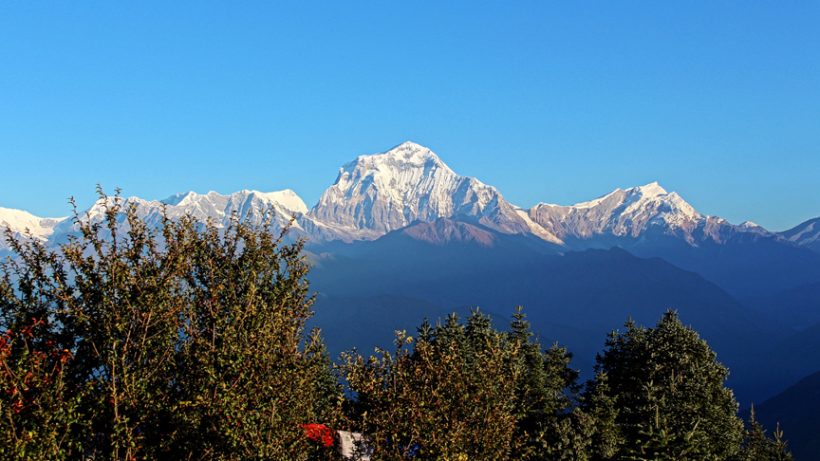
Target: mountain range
<point>376,194</point>
<point>400,236</point>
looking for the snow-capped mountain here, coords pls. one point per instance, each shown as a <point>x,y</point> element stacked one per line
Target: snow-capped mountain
<point>23,223</point>
<point>379,193</point>
<point>806,234</point>
<point>633,213</point>
<point>409,184</point>
<point>254,206</point>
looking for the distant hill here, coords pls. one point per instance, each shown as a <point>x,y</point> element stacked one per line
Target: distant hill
<point>369,289</point>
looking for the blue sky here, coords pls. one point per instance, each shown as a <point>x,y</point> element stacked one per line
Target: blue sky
<point>548,101</point>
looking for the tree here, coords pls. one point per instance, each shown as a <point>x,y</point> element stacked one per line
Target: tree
<point>450,398</point>
<point>598,417</point>
<point>464,391</point>
<point>544,397</point>
<point>36,411</point>
<point>184,342</point>
<point>669,390</point>
<point>757,446</point>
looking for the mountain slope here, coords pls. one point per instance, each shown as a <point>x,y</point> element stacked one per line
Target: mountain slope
<point>644,212</point>
<point>21,223</point>
<point>806,234</point>
<point>621,213</point>
<point>797,307</point>
<point>648,221</point>
<point>575,298</point>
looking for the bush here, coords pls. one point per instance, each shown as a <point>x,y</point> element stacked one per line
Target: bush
<point>188,342</point>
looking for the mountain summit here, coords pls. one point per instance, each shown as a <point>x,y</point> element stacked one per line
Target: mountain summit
<point>379,193</point>
<point>621,213</point>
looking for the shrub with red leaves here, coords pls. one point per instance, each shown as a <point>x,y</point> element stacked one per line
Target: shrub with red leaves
<point>319,433</point>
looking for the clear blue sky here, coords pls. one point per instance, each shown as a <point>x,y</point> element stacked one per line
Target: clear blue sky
<point>548,101</point>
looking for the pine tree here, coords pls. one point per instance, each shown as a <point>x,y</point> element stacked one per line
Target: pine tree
<point>669,390</point>
<point>599,415</point>
<point>467,391</point>
<point>543,396</point>
<point>757,446</point>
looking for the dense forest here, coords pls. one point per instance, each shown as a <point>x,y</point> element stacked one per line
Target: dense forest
<point>190,343</point>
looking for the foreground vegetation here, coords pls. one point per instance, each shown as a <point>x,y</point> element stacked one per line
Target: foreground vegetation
<point>190,343</point>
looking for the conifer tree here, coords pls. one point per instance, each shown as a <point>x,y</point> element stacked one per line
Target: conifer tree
<point>544,395</point>
<point>466,391</point>
<point>598,415</point>
<point>758,446</point>
<point>669,390</point>
<point>450,397</point>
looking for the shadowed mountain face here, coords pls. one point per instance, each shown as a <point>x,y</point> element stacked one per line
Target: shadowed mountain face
<point>745,265</point>
<point>796,410</point>
<point>797,308</point>
<point>369,289</point>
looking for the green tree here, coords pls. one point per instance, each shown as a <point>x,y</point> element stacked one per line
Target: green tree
<point>597,416</point>
<point>464,391</point>
<point>668,388</point>
<point>187,342</point>
<point>450,398</point>
<point>758,446</point>
<point>37,413</point>
<point>544,397</point>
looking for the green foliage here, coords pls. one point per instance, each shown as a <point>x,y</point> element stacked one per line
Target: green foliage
<point>668,389</point>
<point>465,391</point>
<point>36,411</point>
<point>185,345</point>
<point>543,399</point>
<point>757,446</point>
<point>598,417</point>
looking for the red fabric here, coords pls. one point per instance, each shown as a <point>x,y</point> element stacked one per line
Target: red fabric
<point>319,433</point>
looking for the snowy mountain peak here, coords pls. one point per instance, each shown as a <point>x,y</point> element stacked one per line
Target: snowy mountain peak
<point>407,155</point>
<point>184,197</point>
<point>275,209</point>
<point>285,199</point>
<point>409,185</point>
<point>21,222</point>
<point>652,189</point>
<point>411,150</point>
<point>378,193</point>
<point>621,213</point>
<point>806,234</point>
